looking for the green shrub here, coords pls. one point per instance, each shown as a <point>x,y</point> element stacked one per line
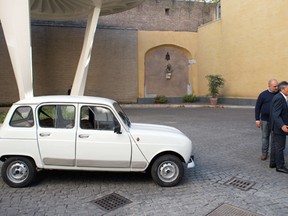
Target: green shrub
<point>2,117</point>
<point>189,98</point>
<point>161,99</point>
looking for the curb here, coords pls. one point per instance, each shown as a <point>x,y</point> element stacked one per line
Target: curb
<point>183,106</point>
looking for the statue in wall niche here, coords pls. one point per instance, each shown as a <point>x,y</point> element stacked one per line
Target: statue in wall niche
<point>169,71</point>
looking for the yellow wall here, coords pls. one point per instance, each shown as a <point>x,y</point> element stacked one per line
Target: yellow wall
<point>248,46</point>
<point>148,40</point>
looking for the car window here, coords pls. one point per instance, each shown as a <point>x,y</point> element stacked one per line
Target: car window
<point>66,116</point>
<point>22,117</point>
<point>47,116</point>
<point>98,118</point>
<point>56,116</point>
<point>122,114</point>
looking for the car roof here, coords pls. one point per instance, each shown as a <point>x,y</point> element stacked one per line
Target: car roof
<point>65,99</point>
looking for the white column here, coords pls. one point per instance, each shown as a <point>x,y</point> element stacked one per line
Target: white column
<point>79,83</point>
<point>15,21</point>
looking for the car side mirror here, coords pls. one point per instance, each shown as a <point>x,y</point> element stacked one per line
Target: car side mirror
<point>117,128</point>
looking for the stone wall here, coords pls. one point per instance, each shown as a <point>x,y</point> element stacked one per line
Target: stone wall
<point>56,52</point>
<point>8,87</point>
<point>163,15</point>
<point>113,71</point>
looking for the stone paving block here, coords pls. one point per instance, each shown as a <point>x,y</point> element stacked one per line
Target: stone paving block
<point>230,150</point>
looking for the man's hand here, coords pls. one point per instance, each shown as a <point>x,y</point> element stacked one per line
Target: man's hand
<point>258,124</point>
<point>285,128</point>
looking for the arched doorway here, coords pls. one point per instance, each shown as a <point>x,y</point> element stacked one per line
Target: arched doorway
<point>166,72</point>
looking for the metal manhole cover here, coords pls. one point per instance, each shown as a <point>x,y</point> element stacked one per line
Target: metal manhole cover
<point>240,183</point>
<point>111,202</point>
<point>229,210</point>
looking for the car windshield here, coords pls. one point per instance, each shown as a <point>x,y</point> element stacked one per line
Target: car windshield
<point>122,114</point>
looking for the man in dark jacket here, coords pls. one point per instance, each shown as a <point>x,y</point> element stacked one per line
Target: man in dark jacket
<point>262,115</point>
<point>279,126</point>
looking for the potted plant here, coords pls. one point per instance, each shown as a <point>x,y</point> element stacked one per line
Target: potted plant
<point>215,82</point>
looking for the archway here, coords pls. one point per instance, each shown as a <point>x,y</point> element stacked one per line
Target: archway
<point>166,72</point>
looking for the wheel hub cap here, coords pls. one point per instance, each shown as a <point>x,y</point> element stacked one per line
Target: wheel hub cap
<point>168,172</point>
<point>17,172</point>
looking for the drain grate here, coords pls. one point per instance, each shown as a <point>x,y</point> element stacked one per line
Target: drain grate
<point>111,202</point>
<point>229,210</point>
<point>240,183</point>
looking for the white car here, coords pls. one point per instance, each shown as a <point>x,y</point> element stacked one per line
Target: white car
<point>87,133</point>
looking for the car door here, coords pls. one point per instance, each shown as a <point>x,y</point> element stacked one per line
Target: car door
<point>56,134</point>
<point>98,146</point>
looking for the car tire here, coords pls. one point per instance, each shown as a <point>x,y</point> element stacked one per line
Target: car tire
<point>167,170</point>
<point>18,172</point>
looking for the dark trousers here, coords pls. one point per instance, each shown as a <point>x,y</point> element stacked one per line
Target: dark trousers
<point>278,143</point>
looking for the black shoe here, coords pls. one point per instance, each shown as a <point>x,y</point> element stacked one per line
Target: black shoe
<point>282,169</point>
<point>272,165</point>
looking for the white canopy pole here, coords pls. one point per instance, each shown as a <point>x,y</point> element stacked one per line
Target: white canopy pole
<point>79,83</point>
<point>15,21</point>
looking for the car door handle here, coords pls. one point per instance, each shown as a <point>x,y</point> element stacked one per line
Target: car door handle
<point>83,136</point>
<point>44,134</point>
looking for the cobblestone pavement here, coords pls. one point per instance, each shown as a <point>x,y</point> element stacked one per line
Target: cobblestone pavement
<point>227,145</point>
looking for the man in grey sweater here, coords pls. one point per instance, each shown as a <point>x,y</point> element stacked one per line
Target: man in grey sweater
<point>262,115</point>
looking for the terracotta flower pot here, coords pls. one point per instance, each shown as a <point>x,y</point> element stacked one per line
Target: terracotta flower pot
<point>213,101</point>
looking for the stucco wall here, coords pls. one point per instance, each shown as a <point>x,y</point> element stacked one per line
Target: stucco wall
<point>248,46</point>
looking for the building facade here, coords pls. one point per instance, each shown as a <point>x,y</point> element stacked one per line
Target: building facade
<point>113,71</point>
<point>130,62</point>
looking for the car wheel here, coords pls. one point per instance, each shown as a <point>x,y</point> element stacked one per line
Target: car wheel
<point>167,170</point>
<point>18,172</point>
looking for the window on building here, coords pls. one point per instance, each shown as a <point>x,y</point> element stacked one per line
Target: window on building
<point>167,11</point>
<point>218,10</point>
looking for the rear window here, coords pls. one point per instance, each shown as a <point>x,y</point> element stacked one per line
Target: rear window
<point>22,117</point>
